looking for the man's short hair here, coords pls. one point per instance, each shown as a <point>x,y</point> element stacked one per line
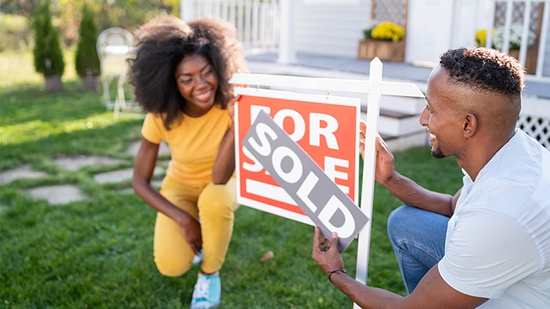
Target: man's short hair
<point>483,68</point>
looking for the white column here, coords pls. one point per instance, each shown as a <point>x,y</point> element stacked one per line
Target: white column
<point>287,53</point>
<point>186,10</point>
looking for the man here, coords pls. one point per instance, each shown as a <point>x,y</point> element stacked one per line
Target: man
<point>489,245</point>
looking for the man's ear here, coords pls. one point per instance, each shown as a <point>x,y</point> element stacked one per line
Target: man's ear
<point>469,125</point>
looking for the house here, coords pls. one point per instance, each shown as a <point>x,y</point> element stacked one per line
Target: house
<point>335,28</point>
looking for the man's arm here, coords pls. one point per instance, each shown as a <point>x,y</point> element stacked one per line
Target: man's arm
<point>432,291</point>
<point>408,191</point>
<point>412,194</point>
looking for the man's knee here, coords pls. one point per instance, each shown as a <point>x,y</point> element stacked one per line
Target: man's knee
<point>399,221</point>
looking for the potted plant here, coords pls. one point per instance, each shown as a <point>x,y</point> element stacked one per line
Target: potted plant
<point>48,58</point>
<point>385,40</point>
<point>86,59</point>
<point>516,30</point>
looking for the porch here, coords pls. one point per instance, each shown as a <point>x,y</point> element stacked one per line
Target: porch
<point>399,116</point>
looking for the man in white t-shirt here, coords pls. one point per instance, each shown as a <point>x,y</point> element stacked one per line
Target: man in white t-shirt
<point>487,246</point>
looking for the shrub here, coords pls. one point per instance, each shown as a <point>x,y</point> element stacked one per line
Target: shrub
<point>516,30</point>
<point>48,58</point>
<point>86,58</point>
<point>15,31</point>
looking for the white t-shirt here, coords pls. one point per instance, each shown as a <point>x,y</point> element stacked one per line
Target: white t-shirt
<point>498,239</point>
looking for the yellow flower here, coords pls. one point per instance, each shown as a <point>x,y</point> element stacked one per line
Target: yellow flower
<point>388,31</point>
<point>481,36</point>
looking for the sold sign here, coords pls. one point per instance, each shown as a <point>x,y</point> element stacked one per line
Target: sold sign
<point>316,194</point>
<point>325,127</point>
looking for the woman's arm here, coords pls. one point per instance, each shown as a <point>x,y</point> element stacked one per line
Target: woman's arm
<point>225,161</point>
<point>141,181</point>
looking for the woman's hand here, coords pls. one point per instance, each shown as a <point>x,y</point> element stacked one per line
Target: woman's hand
<point>231,106</point>
<point>191,231</point>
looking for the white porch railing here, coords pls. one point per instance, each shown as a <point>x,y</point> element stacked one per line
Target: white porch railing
<point>257,21</point>
<point>540,26</point>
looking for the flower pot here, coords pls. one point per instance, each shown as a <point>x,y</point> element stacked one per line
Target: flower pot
<point>384,50</point>
<point>91,83</point>
<point>530,64</point>
<point>52,83</point>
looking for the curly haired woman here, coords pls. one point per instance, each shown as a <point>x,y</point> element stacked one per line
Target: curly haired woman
<point>180,76</point>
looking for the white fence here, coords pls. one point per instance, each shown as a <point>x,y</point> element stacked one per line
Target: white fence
<point>257,21</point>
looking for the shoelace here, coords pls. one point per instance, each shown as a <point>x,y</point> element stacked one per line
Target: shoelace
<point>202,288</point>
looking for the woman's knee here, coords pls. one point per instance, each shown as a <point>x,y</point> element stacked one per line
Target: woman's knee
<point>216,200</point>
<point>170,267</point>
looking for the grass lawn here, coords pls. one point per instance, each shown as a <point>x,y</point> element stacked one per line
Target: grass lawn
<point>97,253</point>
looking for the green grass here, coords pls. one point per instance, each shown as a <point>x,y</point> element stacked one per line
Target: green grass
<point>97,253</point>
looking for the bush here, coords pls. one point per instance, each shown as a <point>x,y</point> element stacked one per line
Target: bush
<point>15,31</point>
<point>48,58</point>
<point>87,59</point>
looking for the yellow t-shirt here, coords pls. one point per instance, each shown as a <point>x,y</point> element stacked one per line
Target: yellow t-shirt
<point>194,143</point>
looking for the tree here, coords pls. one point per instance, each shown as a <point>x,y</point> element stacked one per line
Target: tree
<point>87,59</point>
<point>48,58</point>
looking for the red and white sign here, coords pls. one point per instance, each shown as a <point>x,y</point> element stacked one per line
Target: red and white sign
<point>325,127</point>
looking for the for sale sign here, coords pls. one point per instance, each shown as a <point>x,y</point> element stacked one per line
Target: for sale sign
<point>325,127</point>
<point>301,178</point>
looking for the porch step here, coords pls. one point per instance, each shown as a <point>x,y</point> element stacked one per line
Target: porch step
<point>404,142</point>
<point>395,123</point>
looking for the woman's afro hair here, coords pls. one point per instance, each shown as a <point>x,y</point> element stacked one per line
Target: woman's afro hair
<point>162,44</point>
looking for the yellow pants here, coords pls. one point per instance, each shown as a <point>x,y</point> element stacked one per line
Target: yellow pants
<point>214,205</point>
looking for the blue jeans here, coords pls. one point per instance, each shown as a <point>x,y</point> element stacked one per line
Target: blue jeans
<point>418,239</point>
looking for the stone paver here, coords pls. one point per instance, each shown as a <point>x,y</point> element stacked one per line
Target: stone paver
<point>24,171</point>
<point>60,194</point>
<point>120,175</point>
<point>134,147</point>
<point>155,183</point>
<point>78,162</point>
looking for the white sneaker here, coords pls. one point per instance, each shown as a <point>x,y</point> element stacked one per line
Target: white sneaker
<point>207,291</point>
<point>197,258</point>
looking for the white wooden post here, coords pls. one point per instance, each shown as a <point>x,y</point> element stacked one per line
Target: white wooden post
<point>374,87</point>
<point>186,10</point>
<point>287,54</point>
<point>369,166</point>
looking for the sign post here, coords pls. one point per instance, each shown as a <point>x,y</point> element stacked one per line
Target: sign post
<point>323,127</point>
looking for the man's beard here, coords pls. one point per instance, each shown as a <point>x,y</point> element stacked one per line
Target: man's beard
<point>436,152</point>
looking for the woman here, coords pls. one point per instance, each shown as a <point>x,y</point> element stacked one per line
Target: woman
<point>180,76</point>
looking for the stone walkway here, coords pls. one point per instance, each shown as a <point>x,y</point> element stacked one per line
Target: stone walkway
<point>64,194</point>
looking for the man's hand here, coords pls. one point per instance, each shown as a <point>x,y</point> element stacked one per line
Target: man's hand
<point>325,253</point>
<point>385,166</point>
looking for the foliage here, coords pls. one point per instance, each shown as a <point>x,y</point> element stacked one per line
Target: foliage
<point>87,59</point>
<point>516,31</point>
<point>15,31</point>
<point>385,30</point>
<point>127,14</point>
<point>48,58</point>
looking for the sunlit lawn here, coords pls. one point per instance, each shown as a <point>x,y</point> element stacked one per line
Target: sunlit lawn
<point>97,253</point>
